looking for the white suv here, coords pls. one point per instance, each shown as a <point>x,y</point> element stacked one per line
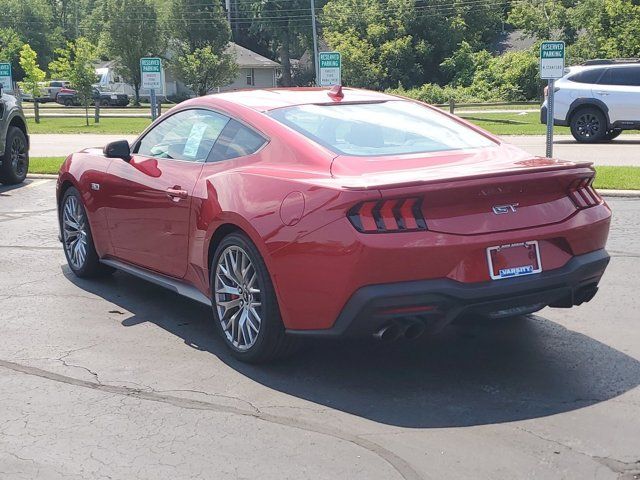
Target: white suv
<point>597,101</point>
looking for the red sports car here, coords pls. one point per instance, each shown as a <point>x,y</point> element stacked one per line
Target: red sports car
<point>342,212</point>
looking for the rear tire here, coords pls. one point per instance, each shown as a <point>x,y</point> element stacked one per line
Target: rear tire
<point>77,240</point>
<point>245,307</point>
<point>15,161</point>
<point>589,125</point>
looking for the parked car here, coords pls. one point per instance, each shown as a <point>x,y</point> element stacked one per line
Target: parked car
<point>316,212</point>
<point>53,87</point>
<point>69,97</point>
<point>597,101</point>
<point>14,141</point>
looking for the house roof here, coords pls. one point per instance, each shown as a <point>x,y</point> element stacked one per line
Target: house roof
<point>245,58</point>
<point>249,59</point>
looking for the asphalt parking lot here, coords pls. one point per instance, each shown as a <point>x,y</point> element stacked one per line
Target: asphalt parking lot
<point>120,379</point>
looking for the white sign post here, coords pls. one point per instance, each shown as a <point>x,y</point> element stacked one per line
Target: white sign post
<point>151,73</point>
<point>551,68</point>
<point>330,69</point>
<point>5,77</point>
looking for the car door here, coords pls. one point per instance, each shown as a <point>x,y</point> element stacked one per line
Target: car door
<point>619,89</point>
<point>151,194</point>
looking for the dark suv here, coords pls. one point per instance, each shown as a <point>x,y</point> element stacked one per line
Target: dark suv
<point>14,141</point>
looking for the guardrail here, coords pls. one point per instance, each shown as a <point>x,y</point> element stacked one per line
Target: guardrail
<point>38,110</point>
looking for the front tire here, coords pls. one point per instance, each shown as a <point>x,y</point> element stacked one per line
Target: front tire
<point>245,307</point>
<point>15,162</point>
<point>589,125</point>
<point>77,239</point>
<point>611,134</point>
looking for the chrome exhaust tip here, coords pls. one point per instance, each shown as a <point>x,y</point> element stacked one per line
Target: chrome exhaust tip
<point>414,330</point>
<point>388,333</point>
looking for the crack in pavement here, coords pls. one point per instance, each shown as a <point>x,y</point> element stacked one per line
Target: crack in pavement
<point>404,469</point>
<point>9,216</point>
<point>27,247</point>
<point>616,466</point>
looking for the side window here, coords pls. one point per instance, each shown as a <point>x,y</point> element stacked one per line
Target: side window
<point>588,76</point>
<point>187,135</point>
<point>627,76</point>
<point>236,140</point>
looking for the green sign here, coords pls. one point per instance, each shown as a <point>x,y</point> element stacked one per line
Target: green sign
<point>551,60</point>
<point>330,64</point>
<point>151,72</point>
<point>5,77</point>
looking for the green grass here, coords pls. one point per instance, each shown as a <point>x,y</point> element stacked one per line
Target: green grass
<point>45,164</point>
<point>128,126</point>
<point>524,123</point>
<point>616,178</point>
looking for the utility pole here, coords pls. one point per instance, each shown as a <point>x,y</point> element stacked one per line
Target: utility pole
<point>315,42</point>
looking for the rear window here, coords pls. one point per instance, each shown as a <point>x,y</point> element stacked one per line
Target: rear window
<point>625,76</point>
<point>384,128</point>
<point>587,76</point>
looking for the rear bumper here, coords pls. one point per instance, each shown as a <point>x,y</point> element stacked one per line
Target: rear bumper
<point>438,302</point>
<point>556,121</point>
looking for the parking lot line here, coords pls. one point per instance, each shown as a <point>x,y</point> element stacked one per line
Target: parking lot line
<point>37,183</point>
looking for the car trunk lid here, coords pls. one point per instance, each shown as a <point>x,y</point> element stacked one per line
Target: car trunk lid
<point>471,192</point>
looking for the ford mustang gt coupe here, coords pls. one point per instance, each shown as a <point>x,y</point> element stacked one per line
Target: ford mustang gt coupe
<point>315,212</point>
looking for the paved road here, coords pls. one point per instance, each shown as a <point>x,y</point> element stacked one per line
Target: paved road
<point>120,378</point>
<point>625,150</point>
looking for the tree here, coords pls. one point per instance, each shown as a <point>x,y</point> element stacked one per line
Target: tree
<point>196,24</point>
<point>380,45</point>
<point>201,37</point>
<point>204,70</point>
<point>131,37</point>
<point>10,45</point>
<point>34,24</point>
<point>76,63</point>
<point>281,24</point>
<point>613,26</point>
<point>405,40</point>
<point>33,75</point>
<point>545,19</point>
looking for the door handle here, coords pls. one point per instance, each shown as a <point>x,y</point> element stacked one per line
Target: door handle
<point>176,193</point>
<point>600,92</point>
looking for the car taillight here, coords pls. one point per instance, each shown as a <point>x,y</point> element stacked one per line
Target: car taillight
<point>384,216</point>
<point>582,193</point>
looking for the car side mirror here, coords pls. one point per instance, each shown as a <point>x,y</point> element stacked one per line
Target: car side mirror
<point>118,149</point>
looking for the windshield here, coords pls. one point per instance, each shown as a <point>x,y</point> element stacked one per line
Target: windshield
<point>384,128</point>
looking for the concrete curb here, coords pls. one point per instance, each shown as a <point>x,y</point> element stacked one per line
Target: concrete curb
<point>36,176</point>
<point>604,193</point>
<point>620,193</point>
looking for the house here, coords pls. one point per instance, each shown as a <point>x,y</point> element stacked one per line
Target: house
<point>254,71</point>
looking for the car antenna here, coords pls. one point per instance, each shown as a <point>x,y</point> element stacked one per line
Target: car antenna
<point>336,93</point>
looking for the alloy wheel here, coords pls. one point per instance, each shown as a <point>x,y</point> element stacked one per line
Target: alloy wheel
<point>238,297</point>
<point>588,125</point>
<point>18,156</point>
<point>74,232</point>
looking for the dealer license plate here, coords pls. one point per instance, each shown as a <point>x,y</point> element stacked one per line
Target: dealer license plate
<point>514,260</point>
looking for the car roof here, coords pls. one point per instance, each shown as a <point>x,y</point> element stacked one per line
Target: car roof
<point>268,99</point>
